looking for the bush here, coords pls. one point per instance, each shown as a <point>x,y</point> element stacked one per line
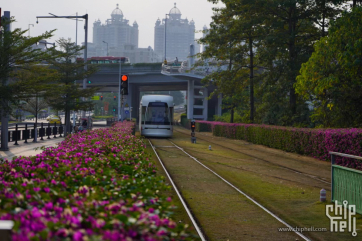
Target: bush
<point>203,127</point>
<point>226,118</point>
<point>305,141</point>
<point>185,122</point>
<point>96,185</point>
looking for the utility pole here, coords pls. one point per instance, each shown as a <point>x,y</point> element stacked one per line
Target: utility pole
<point>76,43</point>
<point>119,90</point>
<point>4,103</point>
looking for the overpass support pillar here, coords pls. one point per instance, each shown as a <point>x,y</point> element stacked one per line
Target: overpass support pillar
<point>219,105</point>
<point>190,99</point>
<point>200,102</point>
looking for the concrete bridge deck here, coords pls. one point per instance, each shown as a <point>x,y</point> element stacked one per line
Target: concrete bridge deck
<point>153,77</point>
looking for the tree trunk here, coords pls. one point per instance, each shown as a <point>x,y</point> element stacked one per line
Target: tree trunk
<point>232,115</point>
<point>36,120</point>
<point>251,80</point>
<point>324,18</point>
<point>292,59</point>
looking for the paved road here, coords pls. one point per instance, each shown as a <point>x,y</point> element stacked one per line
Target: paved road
<point>28,149</point>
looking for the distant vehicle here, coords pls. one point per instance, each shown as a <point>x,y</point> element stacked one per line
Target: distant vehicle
<point>107,60</point>
<point>54,119</point>
<point>49,117</point>
<point>156,115</point>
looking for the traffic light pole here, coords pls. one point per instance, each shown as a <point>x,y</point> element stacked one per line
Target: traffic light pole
<point>119,91</point>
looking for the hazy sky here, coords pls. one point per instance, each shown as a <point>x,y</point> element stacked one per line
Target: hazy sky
<point>145,12</point>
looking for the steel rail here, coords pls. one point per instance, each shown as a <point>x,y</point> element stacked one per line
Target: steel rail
<point>247,196</point>
<point>179,195</point>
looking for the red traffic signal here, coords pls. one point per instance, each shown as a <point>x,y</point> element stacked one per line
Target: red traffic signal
<point>114,98</point>
<point>124,85</point>
<point>124,77</point>
<point>101,97</point>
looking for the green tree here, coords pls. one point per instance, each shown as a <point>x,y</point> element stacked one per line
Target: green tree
<point>65,95</point>
<point>332,77</point>
<point>17,52</point>
<point>32,83</point>
<point>291,32</point>
<point>230,42</point>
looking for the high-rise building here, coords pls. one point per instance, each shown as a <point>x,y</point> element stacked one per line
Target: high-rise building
<point>205,32</point>
<point>117,33</point>
<point>180,33</point>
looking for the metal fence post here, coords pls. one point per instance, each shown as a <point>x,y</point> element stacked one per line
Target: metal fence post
<point>333,160</point>
<point>16,135</point>
<point>26,133</point>
<point>35,133</point>
<point>49,131</point>
<point>55,129</point>
<point>41,132</point>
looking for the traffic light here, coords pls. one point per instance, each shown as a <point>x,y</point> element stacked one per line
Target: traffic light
<point>101,97</point>
<point>89,81</point>
<point>193,125</point>
<point>124,84</point>
<point>114,98</point>
<point>114,109</point>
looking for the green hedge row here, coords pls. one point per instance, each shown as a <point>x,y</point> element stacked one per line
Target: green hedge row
<point>315,143</point>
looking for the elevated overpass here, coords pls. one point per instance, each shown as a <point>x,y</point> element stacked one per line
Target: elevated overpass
<point>155,77</point>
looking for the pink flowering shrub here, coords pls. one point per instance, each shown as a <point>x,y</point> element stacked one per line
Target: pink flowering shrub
<point>95,185</point>
<point>310,142</point>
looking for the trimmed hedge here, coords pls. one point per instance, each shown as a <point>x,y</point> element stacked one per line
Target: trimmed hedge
<point>203,127</point>
<point>305,141</point>
<point>95,185</point>
<point>185,122</point>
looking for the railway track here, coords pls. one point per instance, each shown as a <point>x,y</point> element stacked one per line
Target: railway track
<point>319,179</point>
<point>185,205</point>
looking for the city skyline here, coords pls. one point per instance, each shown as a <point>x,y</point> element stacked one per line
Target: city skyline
<point>144,12</point>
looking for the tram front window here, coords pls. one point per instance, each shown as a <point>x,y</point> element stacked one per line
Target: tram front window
<point>157,113</point>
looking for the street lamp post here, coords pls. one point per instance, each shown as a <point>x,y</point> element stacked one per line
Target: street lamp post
<point>76,44</point>
<point>107,47</point>
<point>85,43</point>
<point>29,28</point>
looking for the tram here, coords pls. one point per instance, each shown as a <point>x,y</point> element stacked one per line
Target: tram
<point>156,116</point>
